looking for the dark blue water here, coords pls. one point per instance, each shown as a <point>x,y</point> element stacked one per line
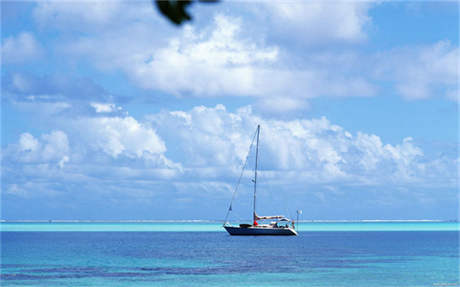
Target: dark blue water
<point>217,259</point>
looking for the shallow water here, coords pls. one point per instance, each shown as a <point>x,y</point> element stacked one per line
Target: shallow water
<point>217,226</point>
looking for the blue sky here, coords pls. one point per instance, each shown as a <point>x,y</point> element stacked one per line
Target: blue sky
<point>111,112</point>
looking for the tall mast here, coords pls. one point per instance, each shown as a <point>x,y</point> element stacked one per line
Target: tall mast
<point>255,172</point>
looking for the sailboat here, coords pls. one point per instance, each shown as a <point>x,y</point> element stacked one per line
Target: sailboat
<point>279,225</point>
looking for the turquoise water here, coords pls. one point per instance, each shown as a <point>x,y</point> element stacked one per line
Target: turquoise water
<point>183,258</point>
<point>217,226</point>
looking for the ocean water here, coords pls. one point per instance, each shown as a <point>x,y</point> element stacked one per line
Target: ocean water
<point>213,258</point>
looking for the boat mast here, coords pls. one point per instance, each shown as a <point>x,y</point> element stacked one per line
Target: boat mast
<point>255,173</point>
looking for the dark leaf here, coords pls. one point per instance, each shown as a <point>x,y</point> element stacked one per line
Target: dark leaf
<point>174,10</point>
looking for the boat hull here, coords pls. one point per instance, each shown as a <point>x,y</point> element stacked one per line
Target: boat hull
<point>257,231</point>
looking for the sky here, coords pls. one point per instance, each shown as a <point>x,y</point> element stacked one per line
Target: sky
<point>111,112</point>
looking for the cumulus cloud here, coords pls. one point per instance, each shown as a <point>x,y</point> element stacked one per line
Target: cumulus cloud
<point>57,145</point>
<point>21,48</point>
<point>203,63</point>
<point>116,136</point>
<point>91,150</point>
<point>214,142</point>
<point>113,136</point>
<point>201,149</point>
<point>221,60</point>
<point>207,63</point>
<point>210,144</point>
<point>192,159</point>
<point>51,148</point>
<point>27,142</point>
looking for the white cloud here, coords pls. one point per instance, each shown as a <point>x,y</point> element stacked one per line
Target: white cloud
<point>103,149</point>
<point>221,60</point>
<point>419,72</point>
<point>63,161</point>
<point>22,48</point>
<point>279,105</point>
<point>105,107</point>
<point>207,63</point>
<point>200,150</point>
<point>317,22</point>
<point>28,142</point>
<point>204,63</point>
<point>236,56</point>
<point>117,136</point>
<point>56,145</point>
<point>191,155</point>
<point>213,142</point>
<point>51,148</point>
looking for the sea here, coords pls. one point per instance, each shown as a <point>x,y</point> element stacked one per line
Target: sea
<point>200,253</point>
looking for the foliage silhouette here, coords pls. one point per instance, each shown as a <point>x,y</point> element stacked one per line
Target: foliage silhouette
<point>176,10</point>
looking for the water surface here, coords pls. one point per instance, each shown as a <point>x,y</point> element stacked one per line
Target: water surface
<point>189,258</point>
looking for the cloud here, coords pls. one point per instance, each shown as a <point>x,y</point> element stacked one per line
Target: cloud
<point>207,63</point>
<point>209,144</point>
<point>51,148</point>
<point>118,136</point>
<point>225,57</point>
<point>421,72</point>
<point>106,138</point>
<point>69,13</point>
<point>203,63</point>
<point>214,142</point>
<point>90,151</point>
<point>192,159</point>
<point>279,105</point>
<point>221,60</point>
<point>27,142</point>
<point>27,87</point>
<point>319,22</point>
<point>57,145</point>
<point>21,48</point>
<point>302,51</point>
<point>105,108</point>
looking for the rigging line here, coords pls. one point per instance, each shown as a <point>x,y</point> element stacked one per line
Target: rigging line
<point>239,179</point>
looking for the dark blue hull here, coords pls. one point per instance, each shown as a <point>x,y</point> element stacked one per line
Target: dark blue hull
<point>257,231</point>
